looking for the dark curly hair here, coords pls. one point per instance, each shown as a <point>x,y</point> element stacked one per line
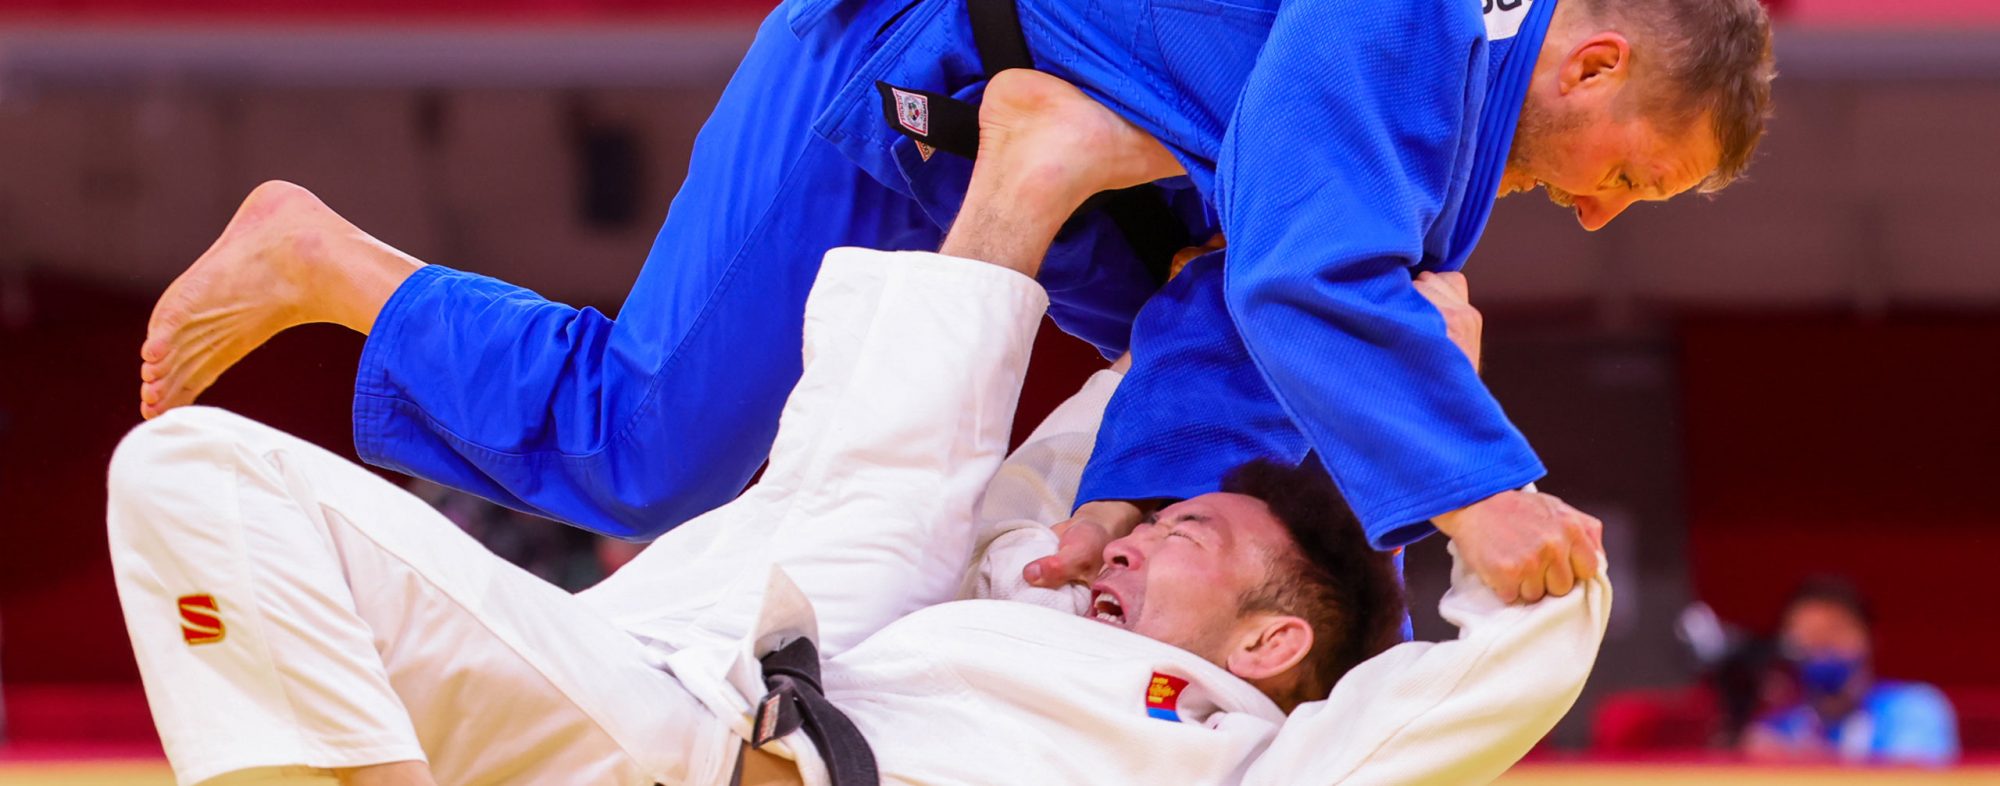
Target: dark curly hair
<point>1346,590</point>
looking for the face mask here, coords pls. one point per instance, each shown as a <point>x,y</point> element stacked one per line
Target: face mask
<point>1827,675</point>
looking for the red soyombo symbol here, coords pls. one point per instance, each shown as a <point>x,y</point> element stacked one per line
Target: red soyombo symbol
<point>201,619</point>
<point>1163,697</point>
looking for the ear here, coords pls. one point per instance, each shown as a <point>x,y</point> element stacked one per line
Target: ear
<point>1601,60</point>
<point>1271,645</point>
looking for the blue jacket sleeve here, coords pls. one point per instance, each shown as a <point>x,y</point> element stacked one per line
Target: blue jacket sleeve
<point>1192,400</point>
<point>1333,171</point>
<point>1373,107</point>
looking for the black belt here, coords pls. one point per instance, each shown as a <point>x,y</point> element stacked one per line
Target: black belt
<point>796,702</point>
<point>1141,214</point>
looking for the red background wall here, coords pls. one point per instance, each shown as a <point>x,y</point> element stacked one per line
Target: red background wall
<point>1870,449</point>
<point>68,392</point>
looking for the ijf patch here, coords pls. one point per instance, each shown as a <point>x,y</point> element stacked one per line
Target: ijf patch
<point>201,619</point>
<point>1163,697</point>
<point>913,111</point>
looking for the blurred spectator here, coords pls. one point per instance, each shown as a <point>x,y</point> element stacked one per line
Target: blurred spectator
<point>1738,684</point>
<point>1841,712</point>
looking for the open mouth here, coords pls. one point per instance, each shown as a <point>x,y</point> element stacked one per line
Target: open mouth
<point>1105,608</point>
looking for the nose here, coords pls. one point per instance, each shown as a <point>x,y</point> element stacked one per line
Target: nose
<point>1596,212</point>
<point>1124,553</point>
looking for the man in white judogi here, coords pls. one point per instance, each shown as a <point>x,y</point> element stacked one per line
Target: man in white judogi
<point>297,619</point>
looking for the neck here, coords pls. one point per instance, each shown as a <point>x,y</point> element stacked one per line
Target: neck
<point>1282,690</point>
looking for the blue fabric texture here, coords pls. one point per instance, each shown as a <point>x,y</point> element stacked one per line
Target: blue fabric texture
<point>1339,143</point>
<point>1896,722</point>
<point>1318,280</point>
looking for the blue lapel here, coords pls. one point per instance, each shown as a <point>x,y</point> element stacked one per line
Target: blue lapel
<point>1501,112</point>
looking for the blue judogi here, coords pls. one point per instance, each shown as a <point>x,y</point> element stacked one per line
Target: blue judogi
<point>1340,144</point>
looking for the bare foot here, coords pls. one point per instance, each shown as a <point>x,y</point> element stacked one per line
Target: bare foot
<point>285,259</point>
<point>1044,148</point>
<point>1044,130</point>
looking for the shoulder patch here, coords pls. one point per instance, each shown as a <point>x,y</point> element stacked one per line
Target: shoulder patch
<point>1163,697</point>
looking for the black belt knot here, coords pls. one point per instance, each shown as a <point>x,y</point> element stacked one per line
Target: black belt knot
<point>797,701</point>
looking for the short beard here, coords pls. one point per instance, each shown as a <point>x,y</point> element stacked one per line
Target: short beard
<point>1540,130</point>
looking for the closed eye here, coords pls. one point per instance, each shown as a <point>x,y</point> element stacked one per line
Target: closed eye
<point>1184,534</point>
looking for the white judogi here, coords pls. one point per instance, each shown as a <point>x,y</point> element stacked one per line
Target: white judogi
<point>360,627</point>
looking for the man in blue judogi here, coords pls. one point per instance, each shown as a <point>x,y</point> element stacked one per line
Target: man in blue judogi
<point>1343,146</point>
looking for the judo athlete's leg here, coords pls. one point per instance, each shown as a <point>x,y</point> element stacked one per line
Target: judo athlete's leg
<point>296,617</point>
<point>913,369</point>
<point>627,426</point>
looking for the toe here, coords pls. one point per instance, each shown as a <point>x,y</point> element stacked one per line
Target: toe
<point>159,339</point>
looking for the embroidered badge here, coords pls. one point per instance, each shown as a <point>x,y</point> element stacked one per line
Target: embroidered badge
<point>201,619</point>
<point>913,111</point>
<point>1163,697</point>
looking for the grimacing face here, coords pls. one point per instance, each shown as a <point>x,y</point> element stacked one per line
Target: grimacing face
<point>1180,577</point>
<point>1584,139</point>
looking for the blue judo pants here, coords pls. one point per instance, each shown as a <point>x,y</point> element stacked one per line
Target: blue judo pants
<point>629,427</point>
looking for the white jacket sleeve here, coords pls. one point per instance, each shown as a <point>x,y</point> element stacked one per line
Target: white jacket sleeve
<point>912,368</point>
<point>1452,712</point>
<point>1034,489</point>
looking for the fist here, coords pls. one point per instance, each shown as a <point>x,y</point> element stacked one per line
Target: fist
<point>1080,544</point>
<point>1526,544</point>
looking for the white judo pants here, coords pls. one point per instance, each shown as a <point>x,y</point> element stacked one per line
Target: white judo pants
<point>293,613</point>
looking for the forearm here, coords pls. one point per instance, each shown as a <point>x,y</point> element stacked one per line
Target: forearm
<point>1037,483</point>
<point>1458,711</point>
<point>911,357</point>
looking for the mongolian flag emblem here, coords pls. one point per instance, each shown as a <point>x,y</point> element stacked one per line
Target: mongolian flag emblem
<point>201,620</point>
<point>1163,697</point>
